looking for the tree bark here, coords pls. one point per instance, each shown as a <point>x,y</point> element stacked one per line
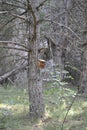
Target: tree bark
<point>37,107</point>
<point>83,77</point>
<point>35,85</point>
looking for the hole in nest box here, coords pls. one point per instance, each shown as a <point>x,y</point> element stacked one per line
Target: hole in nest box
<point>41,63</point>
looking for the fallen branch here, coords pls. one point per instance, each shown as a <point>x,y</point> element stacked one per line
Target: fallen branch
<point>69,109</point>
<point>14,71</point>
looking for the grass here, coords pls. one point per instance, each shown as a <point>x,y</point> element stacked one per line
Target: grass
<point>14,109</point>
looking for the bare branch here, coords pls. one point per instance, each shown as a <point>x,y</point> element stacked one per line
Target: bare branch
<point>15,43</point>
<point>13,5</point>
<point>4,12</point>
<point>14,71</point>
<point>18,16</point>
<point>14,48</point>
<point>69,109</point>
<point>68,28</point>
<point>7,11</point>
<point>12,55</point>
<point>2,27</point>
<point>59,24</point>
<point>41,4</point>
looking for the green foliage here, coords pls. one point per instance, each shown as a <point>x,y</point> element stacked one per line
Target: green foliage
<point>72,67</point>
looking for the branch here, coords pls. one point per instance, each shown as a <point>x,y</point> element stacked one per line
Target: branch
<point>15,43</point>
<point>11,21</point>
<point>68,28</point>
<point>4,12</point>
<point>40,5</point>
<point>61,25</point>
<point>69,109</point>
<point>21,17</point>
<point>18,16</point>
<point>14,71</point>
<point>11,4</point>
<point>34,18</point>
<point>12,55</point>
<point>14,48</point>
<point>49,39</point>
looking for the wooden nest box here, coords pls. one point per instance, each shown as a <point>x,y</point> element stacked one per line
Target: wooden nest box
<point>41,63</point>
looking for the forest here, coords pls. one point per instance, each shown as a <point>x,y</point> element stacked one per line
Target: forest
<point>43,64</point>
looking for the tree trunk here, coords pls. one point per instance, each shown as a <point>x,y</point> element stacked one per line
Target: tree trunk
<point>83,77</point>
<point>35,85</point>
<point>37,106</point>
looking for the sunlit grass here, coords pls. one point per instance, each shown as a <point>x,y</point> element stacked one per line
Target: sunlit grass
<point>14,110</point>
<point>59,102</point>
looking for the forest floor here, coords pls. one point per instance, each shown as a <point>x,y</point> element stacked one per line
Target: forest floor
<point>14,109</point>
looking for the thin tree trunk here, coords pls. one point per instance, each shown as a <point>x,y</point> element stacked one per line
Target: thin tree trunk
<point>83,77</point>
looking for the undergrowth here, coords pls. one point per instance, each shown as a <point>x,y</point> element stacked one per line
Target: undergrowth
<point>14,109</point>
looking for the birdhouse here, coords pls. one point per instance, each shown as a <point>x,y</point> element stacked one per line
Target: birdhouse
<point>41,63</point>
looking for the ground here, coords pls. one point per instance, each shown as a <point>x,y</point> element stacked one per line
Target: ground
<point>14,110</point>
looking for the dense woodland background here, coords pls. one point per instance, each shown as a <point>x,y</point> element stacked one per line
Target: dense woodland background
<point>43,64</point>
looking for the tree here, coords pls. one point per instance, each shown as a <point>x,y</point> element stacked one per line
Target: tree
<point>5,35</point>
<point>29,14</point>
<point>83,77</point>
<point>37,107</point>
